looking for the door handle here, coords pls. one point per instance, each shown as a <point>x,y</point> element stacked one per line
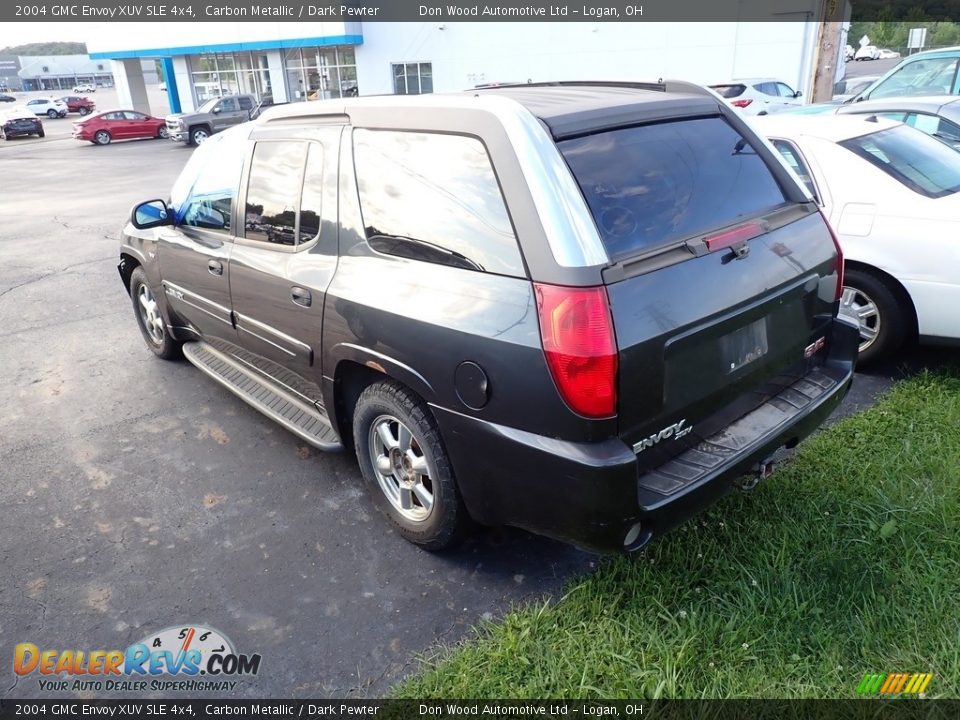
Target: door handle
<point>301,296</point>
<point>215,267</point>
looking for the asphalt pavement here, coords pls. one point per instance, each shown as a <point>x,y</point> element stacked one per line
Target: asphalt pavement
<point>138,495</point>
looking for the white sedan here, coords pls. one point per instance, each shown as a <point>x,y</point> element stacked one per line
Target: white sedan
<point>892,194</point>
<point>50,107</point>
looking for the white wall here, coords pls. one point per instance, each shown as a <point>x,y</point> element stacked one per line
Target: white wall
<point>467,54</point>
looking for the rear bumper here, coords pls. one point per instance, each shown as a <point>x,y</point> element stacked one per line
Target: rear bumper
<point>591,494</point>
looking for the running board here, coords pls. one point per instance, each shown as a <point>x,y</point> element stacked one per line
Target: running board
<point>307,422</point>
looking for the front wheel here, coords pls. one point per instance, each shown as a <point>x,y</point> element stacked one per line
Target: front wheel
<point>404,462</point>
<point>51,114</point>
<point>199,135</point>
<point>869,301</point>
<point>153,325</point>
<point>163,133</point>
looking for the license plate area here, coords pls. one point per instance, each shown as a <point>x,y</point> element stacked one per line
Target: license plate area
<point>744,346</point>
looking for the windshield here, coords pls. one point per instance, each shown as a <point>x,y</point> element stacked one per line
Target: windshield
<point>922,163</point>
<point>653,184</point>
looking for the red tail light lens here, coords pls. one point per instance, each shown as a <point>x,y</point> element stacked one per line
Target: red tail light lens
<point>741,103</point>
<point>580,347</point>
<point>836,244</point>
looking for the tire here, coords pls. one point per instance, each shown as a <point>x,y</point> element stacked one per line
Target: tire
<point>869,300</point>
<point>199,135</point>
<point>151,320</point>
<point>163,133</point>
<point>102,137</point>
<point>41,134</point>
<point>83,111</point>
<point>52,114</point>
<point>382,412</point>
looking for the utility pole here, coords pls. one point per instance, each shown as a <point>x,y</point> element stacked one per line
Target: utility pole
<point>828,49</point>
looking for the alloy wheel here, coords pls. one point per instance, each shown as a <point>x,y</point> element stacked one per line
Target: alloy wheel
<point>150,314</point>
<point>401,467</point>
<point>857,305</point>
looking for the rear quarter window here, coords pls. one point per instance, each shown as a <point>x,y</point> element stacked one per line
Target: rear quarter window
<point>652,185</point>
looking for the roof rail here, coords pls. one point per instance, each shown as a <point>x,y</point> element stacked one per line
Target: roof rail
<point>661,85</point>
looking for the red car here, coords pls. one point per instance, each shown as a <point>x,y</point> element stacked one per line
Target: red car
<point>104,128</point>
<point>78,104</point>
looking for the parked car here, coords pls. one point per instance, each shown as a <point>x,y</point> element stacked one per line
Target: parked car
<point>582,309</point>
<point>850,87</point>
<point>758,96</point>
<point>848,53</point>
<point>78,104</point>
<point>51,107</point>
<point>84,88</point>
<point>867,52</point>
<point>893,195</point>
<point>885,54</point>
<point>104,128</point>
<point>7,98</point>
<point>932,72</point>
<point>214,115</point>
<point>18,120</point>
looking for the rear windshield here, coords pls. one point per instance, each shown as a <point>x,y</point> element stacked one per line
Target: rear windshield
<point>922,163</point>
<point>728,91</point>
<point>653,184</point>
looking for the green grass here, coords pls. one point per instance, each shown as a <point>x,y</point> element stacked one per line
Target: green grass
<point>847,561</point>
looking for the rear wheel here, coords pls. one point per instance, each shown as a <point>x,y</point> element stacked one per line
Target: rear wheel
<point>41,134</point>
<point>84,111</point>
<point>153,325</point>
<point>102,137</point>
<point>405,464</point>
<point>869,301</point>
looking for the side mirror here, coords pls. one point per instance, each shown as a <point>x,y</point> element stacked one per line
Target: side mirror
<point>216,110</point>
<point>798,94</point>
<point>150,214</point>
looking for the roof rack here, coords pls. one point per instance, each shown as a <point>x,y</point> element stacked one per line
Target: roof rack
<point>661,85</point>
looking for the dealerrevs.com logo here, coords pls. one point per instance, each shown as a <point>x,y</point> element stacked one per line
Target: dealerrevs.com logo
<point>187,658</point>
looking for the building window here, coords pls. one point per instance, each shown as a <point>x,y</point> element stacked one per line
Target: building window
<point>412,78</point>
<point>218,74</point>
<point>320,73</point>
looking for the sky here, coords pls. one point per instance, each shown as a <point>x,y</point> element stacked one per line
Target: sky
<point>20,33</point>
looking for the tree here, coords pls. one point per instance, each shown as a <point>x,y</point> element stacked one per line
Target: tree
<point>47,48</point>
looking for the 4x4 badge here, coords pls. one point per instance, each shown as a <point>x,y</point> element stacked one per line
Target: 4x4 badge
<point>676,431</point>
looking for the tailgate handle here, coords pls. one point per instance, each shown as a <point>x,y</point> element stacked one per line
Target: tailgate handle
<point>301,296</point>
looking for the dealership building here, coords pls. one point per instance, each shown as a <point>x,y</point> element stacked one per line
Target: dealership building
<point>291,62</point>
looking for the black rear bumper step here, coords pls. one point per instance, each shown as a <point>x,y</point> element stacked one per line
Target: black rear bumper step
<point>705,458</point>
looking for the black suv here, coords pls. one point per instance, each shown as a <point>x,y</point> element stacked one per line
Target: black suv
<point>579,308</point>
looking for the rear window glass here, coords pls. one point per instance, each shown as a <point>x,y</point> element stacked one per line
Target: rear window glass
<point>728,91</point>
<point>654,184</point>
<point>922,163</point>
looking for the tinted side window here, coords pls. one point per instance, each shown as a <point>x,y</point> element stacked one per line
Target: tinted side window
<point>214,169</point>
<point>273,192</point>
<point>785,90</point>
<point>934,125</point>
<point>766,88</point>
<point>227,105</point>
<point>310,206</point>
<point>654,184</point>
<point>436,198</point>
<point>921,77</point>
<point>245,104</point>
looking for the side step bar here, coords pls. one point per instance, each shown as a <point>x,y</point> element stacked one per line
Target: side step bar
<point>306,421</point>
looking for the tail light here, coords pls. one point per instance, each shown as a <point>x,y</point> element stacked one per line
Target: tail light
<point>741,103</point>
<point>836,244</point>
<point>580,347</point>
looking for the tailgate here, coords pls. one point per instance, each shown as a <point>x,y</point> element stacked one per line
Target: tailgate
<point>723,273</point>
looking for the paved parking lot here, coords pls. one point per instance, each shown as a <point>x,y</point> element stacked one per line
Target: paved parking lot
<point>138,495</point>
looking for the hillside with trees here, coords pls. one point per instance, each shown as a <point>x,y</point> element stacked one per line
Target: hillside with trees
<point>47,48</point>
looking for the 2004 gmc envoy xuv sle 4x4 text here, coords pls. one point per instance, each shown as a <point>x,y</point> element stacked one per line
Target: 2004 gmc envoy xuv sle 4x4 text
<point>583,309</point>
